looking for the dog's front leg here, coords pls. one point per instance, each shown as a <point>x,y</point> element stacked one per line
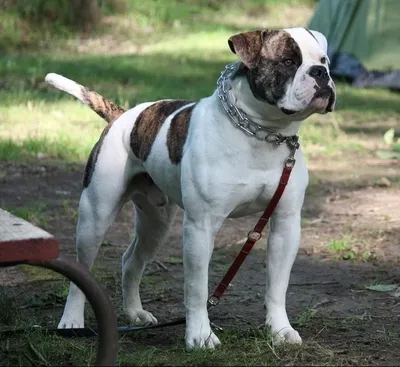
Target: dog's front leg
<point>283,244</point>
<point>198,244</point>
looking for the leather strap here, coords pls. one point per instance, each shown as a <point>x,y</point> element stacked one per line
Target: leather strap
<point>252,239</point>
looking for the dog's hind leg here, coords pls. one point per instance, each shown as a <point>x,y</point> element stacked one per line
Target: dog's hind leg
<point>94,220</point>
<point>107,189</point>
<point>152,224</point>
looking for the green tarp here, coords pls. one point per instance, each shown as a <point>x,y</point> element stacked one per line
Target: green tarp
<point>366,29</point>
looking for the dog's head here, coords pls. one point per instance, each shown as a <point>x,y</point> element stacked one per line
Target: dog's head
<point>288,69</point>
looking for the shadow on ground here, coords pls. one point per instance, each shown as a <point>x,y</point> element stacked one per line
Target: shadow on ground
<point>327,299</point>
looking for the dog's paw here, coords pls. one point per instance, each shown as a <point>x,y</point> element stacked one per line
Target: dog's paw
<point>201,336</point>
<point>140,317</point>
<point>71,321</point>
<point>286,335</point>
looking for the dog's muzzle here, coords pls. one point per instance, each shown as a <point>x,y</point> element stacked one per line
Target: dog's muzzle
<point>324,90</point>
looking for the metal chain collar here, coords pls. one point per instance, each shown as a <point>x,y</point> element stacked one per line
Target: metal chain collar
<point>240,119</point>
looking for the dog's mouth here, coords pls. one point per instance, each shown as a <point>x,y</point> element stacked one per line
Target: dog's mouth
<point>323,100</point>
<point>288,112</point>
<point>324,92</point>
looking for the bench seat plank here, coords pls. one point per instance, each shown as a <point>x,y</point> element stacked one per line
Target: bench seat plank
<point>22,241</point>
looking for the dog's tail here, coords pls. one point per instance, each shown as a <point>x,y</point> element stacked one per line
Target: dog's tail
<point>106,109</point>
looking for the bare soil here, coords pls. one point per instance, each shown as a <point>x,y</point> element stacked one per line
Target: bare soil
<point>327,297</point>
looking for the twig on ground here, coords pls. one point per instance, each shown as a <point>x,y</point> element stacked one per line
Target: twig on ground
<point>161,265</point>
<point>149,300</point>
<point>313,283</point>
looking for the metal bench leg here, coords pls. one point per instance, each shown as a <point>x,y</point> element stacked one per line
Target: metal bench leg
<point>103,309</point>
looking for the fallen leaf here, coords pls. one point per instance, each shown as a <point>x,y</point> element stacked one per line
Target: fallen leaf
<point>388,136</point>
<point>383,287</point>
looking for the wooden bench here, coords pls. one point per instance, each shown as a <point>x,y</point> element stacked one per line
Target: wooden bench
<point>23,243</point>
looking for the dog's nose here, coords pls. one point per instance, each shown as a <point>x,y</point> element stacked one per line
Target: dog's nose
<point>319,73</point>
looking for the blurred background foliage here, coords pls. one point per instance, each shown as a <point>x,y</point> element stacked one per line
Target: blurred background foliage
<point>25,23</point>
<point>133,51</point>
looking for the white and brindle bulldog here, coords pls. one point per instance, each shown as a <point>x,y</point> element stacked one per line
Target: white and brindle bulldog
<point>172,153</point>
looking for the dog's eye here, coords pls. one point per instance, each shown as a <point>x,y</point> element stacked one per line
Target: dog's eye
<point>323,60</point>
<point>288,62</point>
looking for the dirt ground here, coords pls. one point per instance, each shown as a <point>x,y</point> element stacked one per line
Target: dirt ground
<point>355,203</point>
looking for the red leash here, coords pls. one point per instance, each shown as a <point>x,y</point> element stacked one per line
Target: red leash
<point>255,234</point>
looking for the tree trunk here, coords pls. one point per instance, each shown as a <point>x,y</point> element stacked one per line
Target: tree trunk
<point>86,13</point>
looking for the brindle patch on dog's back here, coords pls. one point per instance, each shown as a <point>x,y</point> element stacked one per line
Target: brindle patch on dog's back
<point>148,125</point>
<point>177,134</point>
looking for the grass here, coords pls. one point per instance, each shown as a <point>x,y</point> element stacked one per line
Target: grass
<point>36,273</point>
<point>175,58</point>
<point>37,349</point>
<point>42,122</point>
<point>348,248</point>
<point>37,212</point>
<point>9,314</point>
<point>304,317</point>
<point>34,213</point>
<point>71,210</point>
<point>245,348</point>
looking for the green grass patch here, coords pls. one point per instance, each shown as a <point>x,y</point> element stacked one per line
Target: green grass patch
<point>305,317</point>
<point>37,273</point>
<point>35,348</point>
<point>239,348</point>
<point>34,213</point>
<point>65,148</point>
<point>70,210</point>
<point>348,248</point>
<point>338,246</point>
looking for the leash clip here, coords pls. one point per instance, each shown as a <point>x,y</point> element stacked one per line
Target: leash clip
<point>290,162</point>
<point>212,301</point>
<point>293,144</point>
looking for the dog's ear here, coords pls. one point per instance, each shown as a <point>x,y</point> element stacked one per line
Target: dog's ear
<point>321,39</point>
<point>247,46</point>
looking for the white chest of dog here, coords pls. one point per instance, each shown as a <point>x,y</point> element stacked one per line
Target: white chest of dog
<point>172,153</point>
